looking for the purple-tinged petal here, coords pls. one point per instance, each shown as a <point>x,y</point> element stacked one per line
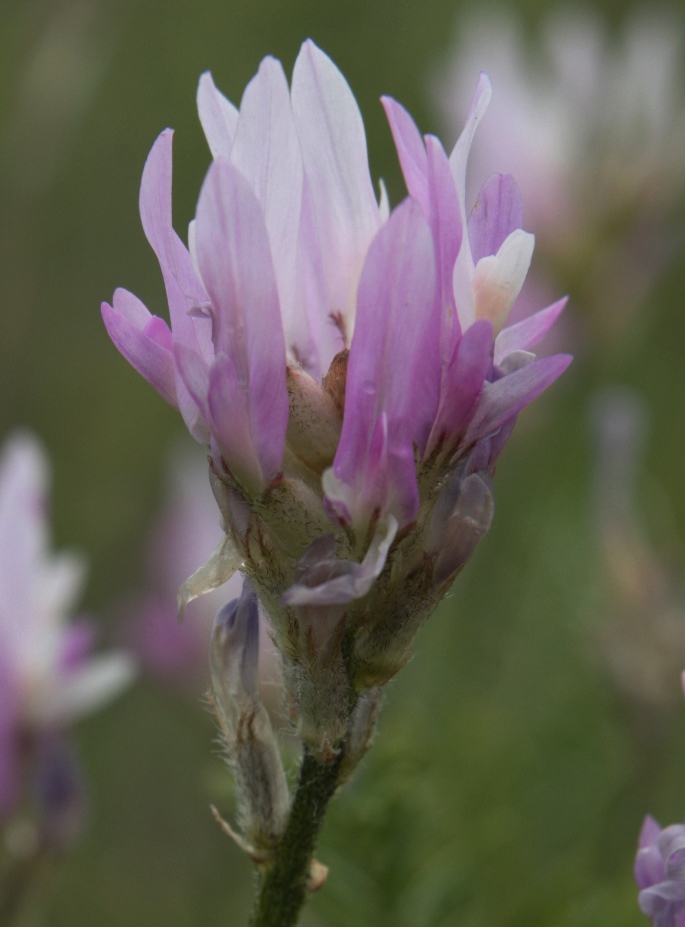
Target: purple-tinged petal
<point>234,650</point>
<point>77,644</point>
<point>392,374</point>
<point>345,212</point>
<point>194,374</point>
<point>266,151</point>
<point>229,409</point>
<point>348,580</point>
<point>410,150</point>
<point>649,864</point>
<point>184,290</point>
<point>462,516</point>
<point>498,212</point>
<point>445,222</point>
<point>145,347</point>
<point>218,117</point>
<point>463,383</point>
<point>235,263</point>
<point>504,398</point>
<point>527,333</point>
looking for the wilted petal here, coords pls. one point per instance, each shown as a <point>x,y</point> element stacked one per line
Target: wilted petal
<point>218,116</point>
<point>346,580</point>
<point>217,570</point>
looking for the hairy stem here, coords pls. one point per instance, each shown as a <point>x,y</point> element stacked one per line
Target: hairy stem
<point>283,886</point>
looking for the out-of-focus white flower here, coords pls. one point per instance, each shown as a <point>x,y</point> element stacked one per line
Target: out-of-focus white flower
<point>592,125</point>
<point>580,112</point>
<point>48,676</point>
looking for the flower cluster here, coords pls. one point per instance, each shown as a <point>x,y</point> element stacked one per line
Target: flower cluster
<point>660,873</point>
<point>349,368</point>
<point>48,676</point>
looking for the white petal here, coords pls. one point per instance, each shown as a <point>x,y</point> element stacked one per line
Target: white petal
<point>498,278</point>
<point>85,690</point>
<point>218,116</point>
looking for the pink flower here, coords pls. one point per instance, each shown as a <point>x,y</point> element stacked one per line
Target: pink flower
<point>48,677</point>
<point>349,366</point>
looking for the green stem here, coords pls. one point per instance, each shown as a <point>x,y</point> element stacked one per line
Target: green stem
<point>283,886</point>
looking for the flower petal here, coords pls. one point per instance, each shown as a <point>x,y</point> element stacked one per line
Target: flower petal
<point>357,579</point>
<point>410,150</point>
<point>497,213</point>
<point>392,374</point>
<point>218,116</point>
<point>498,278</point>
<point>184,290</point>
<point>333,142</point>
<point>501,400</point>
<point>82,691</point>
<point>266,151</point>
<point>142,345</point>
<point>528,332</point>
<point>463,383</point>
<point>235,262</point>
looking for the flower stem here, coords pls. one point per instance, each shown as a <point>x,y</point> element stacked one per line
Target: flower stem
<point>283,886</point>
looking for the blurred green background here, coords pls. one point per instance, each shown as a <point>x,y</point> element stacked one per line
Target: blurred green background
<point>510,777</point>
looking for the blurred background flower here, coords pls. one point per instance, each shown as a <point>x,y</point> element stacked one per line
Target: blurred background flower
<point>590,120</point>
<point>48,676</point>
<point>503,747</point>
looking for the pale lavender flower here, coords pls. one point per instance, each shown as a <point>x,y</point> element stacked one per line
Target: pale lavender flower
<point>580,111</point>
<point>350,367</point>
<point>660,873</point>
<point>592,125</point>
<point>48,676</point>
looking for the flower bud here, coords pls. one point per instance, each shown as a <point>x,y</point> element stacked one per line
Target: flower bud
<point>248,736</point>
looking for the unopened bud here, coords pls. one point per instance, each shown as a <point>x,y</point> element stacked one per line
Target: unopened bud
<point>251,746</point>
<point>462,516</point>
